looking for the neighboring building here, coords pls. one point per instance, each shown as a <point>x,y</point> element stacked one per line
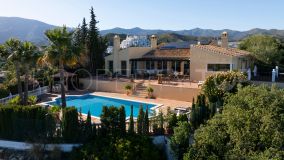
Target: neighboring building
<point>207,59</point>
<point>185,58</point>
<point>135,41</point>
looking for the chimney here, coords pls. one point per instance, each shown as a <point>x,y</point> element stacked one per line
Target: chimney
<point>116,43</point>
<point>154,42</point>
<point>224,40</point>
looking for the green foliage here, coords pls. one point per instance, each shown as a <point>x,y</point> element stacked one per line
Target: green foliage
<point>55,109</point>
<point>250,127</point>
<point>158,124</point>
<point>266,49</point>
<point>217,85</point>
<point>96,45</point>
<point>126,148</point>
<point>140,120</point>
<point>16,100</point>
<point>88,130</point>
<point>150,90</point>
<point>131,122</point>
<point>4,92</point>
<point>113,121</point>
<point>122,118</point>
<point>200,112</point>
<point>172,122</point>
<point>146,123</point>
<point>180,139</point>
<point>128,87</point>
<point>26,123</point>
<point>70,124</point>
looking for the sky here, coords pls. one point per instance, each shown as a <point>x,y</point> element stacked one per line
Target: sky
<point>153,14</point>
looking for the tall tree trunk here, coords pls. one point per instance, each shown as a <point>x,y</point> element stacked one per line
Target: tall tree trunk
<point>63,98</point>
<point>26,88</point>
<point>18,75</point>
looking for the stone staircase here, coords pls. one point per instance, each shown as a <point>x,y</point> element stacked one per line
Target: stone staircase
<point>141,90</point>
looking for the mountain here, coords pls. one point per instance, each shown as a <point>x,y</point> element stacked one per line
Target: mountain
<point>23,29</point>
<point>198,32</point>
<point>33,30</point>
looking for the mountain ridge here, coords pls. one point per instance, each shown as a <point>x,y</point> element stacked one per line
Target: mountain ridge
<point>33,30</point>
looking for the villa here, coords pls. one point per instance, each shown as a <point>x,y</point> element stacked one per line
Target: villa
<point>194,60</point>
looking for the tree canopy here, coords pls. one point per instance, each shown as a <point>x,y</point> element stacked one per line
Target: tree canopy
<point>266,49</point>
<point>251,126</point>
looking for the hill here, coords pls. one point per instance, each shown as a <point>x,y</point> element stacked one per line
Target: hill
<point>23,29</point>
<point>33,30</point>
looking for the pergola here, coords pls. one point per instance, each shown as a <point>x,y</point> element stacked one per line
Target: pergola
<point>67,76</point>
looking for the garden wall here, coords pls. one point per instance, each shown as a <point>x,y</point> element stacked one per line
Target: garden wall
<point>160,91</point>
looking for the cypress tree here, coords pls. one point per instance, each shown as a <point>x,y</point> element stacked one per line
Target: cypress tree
<point>83,32</point>
<point>122,116</point>
<point>146,123</point>
<point>92,41</point>
<point>131,122</point>
<point>140,120</point>
<point>88,126</point>
<point>70,125</point>
<point>161,123</point>
<point>193,115</point>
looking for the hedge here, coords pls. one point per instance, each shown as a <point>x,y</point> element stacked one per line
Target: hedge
<point>26,123</point>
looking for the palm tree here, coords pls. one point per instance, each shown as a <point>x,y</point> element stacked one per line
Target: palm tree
<point>30,55</point>
<point>62,51</point>
<point>11,50</point>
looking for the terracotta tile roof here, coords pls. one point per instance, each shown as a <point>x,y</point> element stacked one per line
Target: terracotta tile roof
<point>225,51</point>
<point>168,53</point>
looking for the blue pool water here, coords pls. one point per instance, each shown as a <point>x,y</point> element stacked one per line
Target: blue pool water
<point>95,104</point>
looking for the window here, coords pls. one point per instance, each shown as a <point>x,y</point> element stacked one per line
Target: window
<point>218,67</point>
<point>186,68</point>
<point>176,66</point>
<point>110,66</point>
<point>123,67</point>
<point>150,65</point>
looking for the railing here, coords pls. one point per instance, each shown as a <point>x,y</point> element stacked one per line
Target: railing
<point>37,92</point>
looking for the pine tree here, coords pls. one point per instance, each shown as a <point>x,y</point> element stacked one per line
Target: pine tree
<point>140,120</point>
<point>146,123</point>
<point>122,125</point>
<point>131,122</point>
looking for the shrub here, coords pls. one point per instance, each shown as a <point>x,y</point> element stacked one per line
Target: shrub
<point>217,85</point>
<point>4,92</point>
<point>16,100</point>
<point>128,87</point>
<point>150,91</point>
<point>25,122</point>
<point>70,125</point>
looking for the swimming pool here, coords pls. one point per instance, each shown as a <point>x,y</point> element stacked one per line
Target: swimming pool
<point>95,103</point>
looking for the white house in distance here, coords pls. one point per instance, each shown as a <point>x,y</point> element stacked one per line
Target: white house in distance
<point>195,60</point>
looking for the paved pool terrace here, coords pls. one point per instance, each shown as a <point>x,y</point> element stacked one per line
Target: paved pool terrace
<point>160,104</point>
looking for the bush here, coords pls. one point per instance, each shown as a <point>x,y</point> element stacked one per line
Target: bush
<point>16,100</point>
<point>128,87</point>
<point>250,127</point>
<point>70,125</point>
<point>217,85</point>
<point>25,122</point>
<point>4,92</point>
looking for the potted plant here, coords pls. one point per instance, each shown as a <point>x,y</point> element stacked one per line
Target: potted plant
<point>150,91</point>
<point>128,89</point>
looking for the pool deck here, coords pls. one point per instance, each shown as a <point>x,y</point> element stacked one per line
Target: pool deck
<point>165,103</point>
